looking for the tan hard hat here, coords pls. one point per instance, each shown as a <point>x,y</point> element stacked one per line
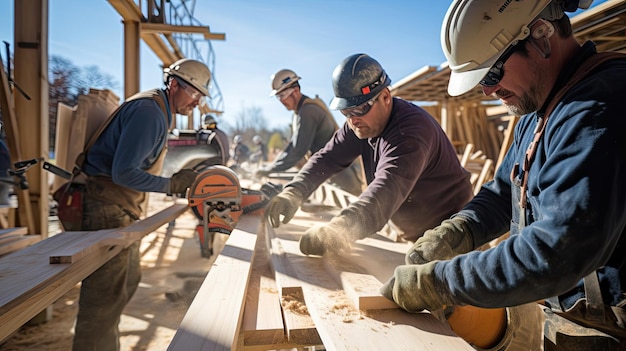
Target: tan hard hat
<point>282,80</point>
<point>191,71</point>
<point>475,33</point>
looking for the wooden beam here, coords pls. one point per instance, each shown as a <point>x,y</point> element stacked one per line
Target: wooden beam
<point>262,319</point>
<point>86,245</point>
<point>340,324</point>
<point>29,283</point>
<point>162,28</point>
<point>299,326</point>
<point>11,126</point>
<point>213,320</point>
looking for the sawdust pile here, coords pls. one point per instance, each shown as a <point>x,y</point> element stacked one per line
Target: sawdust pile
<point>295,302</point>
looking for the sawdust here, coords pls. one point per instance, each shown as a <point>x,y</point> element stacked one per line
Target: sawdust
<point>295,302</point>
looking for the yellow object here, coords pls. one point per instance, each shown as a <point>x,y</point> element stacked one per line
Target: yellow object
<point>482,327</point>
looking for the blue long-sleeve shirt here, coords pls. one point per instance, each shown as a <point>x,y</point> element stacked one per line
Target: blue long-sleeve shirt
<point>576,215</point>
<point>131,144</point>
<point>413,173</point>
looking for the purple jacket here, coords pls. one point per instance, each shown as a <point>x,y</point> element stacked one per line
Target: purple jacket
<point>413,173</point>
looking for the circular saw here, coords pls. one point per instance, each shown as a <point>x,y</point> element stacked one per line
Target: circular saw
<point>217,200</point>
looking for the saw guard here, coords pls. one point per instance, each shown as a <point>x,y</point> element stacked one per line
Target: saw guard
<point>217,191</point>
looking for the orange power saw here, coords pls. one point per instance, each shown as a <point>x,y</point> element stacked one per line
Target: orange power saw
<point>217,200</point>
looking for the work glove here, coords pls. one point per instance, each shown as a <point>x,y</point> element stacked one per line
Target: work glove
<point>181,180</point>
<point>286,203</point>
<point>336,236</point>
<point>449,239</point>
<point>415,288</point>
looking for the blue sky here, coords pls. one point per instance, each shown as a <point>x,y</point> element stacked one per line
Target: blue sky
<point>310,37</point>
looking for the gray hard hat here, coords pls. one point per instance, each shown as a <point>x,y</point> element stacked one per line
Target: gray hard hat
<point>357,79</point>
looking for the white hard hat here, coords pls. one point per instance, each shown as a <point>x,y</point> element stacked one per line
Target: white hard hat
<point>191,71</point>
<point>256,139</point>
<point>282,80</point>
<point>475,33</point>
<point>237,139</point>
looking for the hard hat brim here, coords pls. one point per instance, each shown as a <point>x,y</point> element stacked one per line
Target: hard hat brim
<point>462,82</point>
<point>342,103</point>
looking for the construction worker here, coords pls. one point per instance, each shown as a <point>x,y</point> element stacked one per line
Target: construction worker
<point>121,166</point>
<point>239,153</point>
<point>313,125</point>
<point>216,137</point>
<point>260,154</point>
<point>560,190</point>
<point>414,176</point>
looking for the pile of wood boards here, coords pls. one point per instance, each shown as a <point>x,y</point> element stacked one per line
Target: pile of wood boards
<point>263,294</point>
<point>74,123</point>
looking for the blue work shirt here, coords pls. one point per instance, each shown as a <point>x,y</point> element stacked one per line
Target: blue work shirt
<point>576,215</point>
<point>131,144</point>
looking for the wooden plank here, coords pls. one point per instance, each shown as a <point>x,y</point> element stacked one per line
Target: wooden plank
<point>29,283</point>
<point>299,326</point>
<point>262,317</point>
<point>342,326</point>
<point>213,320</point>
<point>13,231</point>
<point>363,290</point>
<point>124,237</point>
<point>19,243</point>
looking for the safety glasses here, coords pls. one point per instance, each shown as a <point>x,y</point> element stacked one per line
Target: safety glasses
<point>360,110</point>
<point>496,72</point>
<point>284,94</point>
<point>192,92</point>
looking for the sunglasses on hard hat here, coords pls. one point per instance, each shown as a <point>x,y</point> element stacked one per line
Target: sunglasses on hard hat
<point>360,110</point>
<point>496,72</point>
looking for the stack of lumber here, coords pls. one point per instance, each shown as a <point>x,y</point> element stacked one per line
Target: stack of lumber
<point>13,239</point>
<point>263,294</point>
<point>471,123</point>
<point>33,278</point>
<point>76,123</point>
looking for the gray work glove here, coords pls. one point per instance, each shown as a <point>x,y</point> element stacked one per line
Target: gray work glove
<point>415,288</point>
<point>336,237</point>
<point>181,180</point>
<point>286,203</point>
<point>449,239</point>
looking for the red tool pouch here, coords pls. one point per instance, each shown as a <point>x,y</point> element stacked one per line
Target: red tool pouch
<point>70,198</point>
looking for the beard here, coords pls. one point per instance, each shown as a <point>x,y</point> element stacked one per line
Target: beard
<point>527,103</point>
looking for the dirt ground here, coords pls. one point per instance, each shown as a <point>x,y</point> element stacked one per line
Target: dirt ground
<point>172,272</point>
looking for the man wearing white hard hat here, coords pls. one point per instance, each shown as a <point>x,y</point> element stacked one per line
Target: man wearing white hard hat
<point>560,190</point>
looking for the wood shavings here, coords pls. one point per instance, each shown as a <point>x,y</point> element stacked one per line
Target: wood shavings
<point>295,302</point>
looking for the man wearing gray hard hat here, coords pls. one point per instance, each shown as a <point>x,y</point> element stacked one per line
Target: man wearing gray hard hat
<point>414,176</point>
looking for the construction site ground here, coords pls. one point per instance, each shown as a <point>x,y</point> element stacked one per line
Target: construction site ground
<point>172,272</point>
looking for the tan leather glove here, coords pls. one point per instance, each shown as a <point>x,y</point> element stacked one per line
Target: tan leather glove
<point>336,236</point>
<point>181,180</point>
<point>414,288</point>
<point>449,239</point>
<point>286,203</point>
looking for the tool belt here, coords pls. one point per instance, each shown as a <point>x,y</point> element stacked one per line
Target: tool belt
<point>591,312</point>
<point>104,189</point>
<point>70,197</point>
